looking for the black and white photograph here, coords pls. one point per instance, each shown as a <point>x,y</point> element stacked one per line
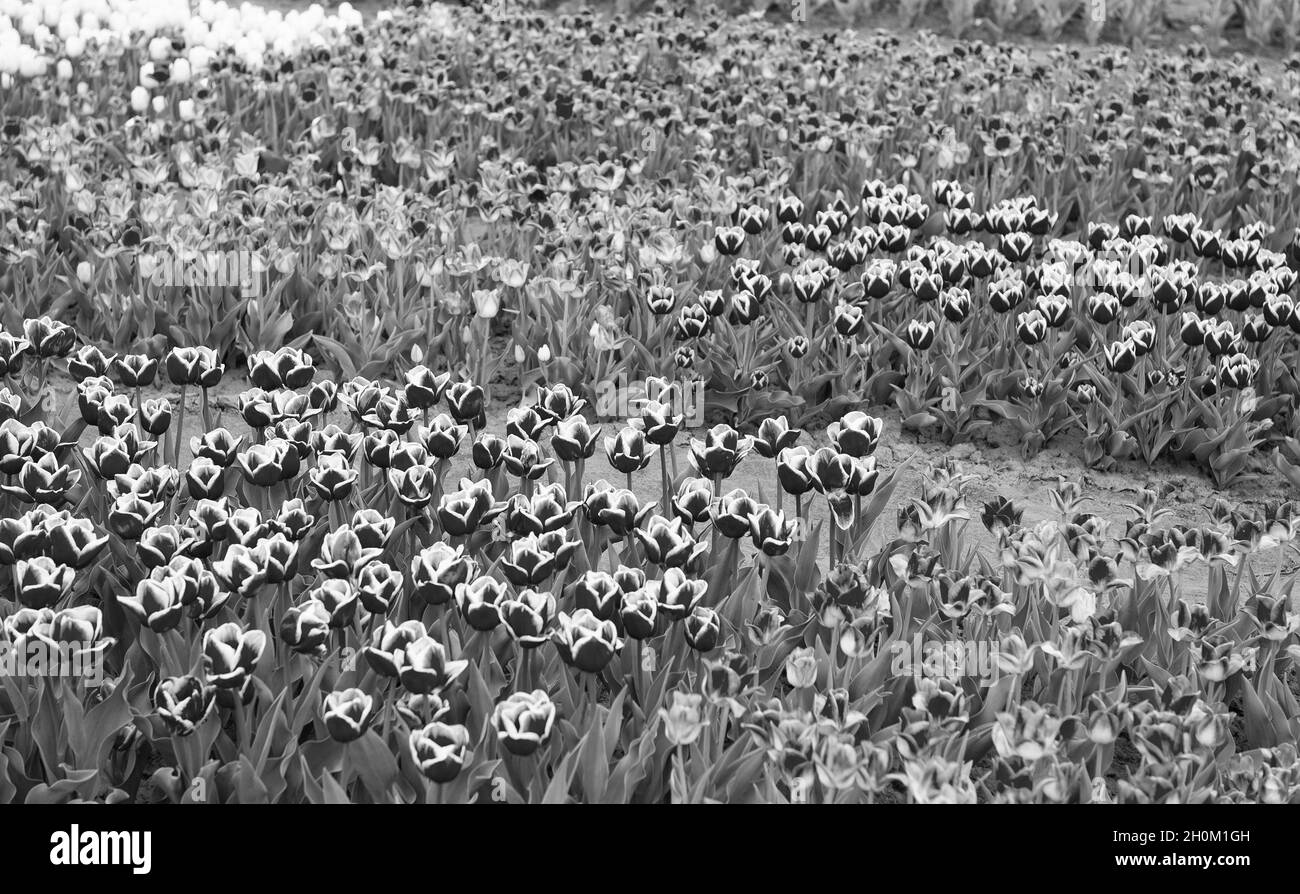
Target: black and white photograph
<point>807,402</point>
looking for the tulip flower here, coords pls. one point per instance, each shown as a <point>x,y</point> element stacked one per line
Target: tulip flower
<point>347,713</point>
<point>440,750</point>
<point>586,642</point>
<point>523,721</point>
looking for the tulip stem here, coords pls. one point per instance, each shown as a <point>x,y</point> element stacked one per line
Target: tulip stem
<point>663,479</point>
<point>523,670</point>
<point>180,427</point>
<point>593,696</point>
<point>780,493</point>
<point>241,724</point>
<point>640,688</point>
<point>286,669</point>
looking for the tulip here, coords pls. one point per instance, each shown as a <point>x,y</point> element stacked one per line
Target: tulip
<point>547,510</point>
<point>377,586</point>
<point>731,516</point>
<point>183,703</point>
<point>41,582</point>
<point>480,601</point>
<point>347,714</point>
<point>414,486</point>
<point>462,512</point>
<point>801,668</point>
<point>440,751</point>
<point>586,642</point>
<point>721,450</point>
<point>465,402</point>
<point>574,439</point>
<point>48,338</point>
<point>75,542</point>
<point>703,627</point>
<point>241,571</point>
<point>676,594</point>
<point>438,570</point>
<point>386,652</point>
<point>526,617</point>
<point>218,445</point>
<point>285,368</point>
<point>305,628</point>
<point>523,458</point>
<point>683,721</point>
<point>442,437</point>
<point>534,558</point>
<point>422,666</point>
<point>524,721</point>
<point>598,592</point>
<point>775,435</point>
<point>129,516</point>
<point>342,554</point>
<point>668,544</point>
<point>230,655</point>
<point>424,388</point>
<point>617,509</point>
<point>340,599</point>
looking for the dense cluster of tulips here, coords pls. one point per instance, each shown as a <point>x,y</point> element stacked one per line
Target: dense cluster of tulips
<point>368,595</point>
<point>280,544</point>
<point>808,222</point>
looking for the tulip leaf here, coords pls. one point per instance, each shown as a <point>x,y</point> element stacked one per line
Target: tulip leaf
<point>375,764</point>
<point>102,722</point>
<point>595,766</point>
<point>558,790</point>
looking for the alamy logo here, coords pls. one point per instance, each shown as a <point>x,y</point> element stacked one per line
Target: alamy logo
<point>944,659</point>
<point>33,657</point>
<point>617,399</point>
<point>91,848</point>
<point>239,269</point>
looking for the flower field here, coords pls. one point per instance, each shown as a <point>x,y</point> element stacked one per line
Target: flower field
<point>497,404</point>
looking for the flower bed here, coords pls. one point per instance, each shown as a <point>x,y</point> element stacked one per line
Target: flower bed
<point>700,245</point>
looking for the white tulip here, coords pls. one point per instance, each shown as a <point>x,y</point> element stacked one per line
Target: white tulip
<point>63,70</point>
<point>185,109</point>
<point>139,99</point>
<point>30,65</point>
<point>74,46</point>
<point>159,105</point>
